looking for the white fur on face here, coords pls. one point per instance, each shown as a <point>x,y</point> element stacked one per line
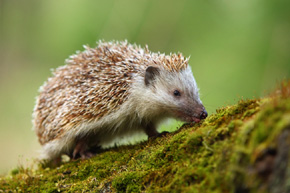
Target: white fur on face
<point>161,94</point>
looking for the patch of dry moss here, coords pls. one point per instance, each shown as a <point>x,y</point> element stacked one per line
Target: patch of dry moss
<point>224,153</point>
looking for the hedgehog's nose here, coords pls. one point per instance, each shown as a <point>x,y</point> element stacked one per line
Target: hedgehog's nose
<point>203,115</point>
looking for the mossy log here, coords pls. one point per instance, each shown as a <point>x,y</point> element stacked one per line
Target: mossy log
<point>241,148</point>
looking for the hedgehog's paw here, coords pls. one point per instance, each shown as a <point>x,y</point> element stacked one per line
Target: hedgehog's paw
<point>82,151</point>
<point>162,134</point>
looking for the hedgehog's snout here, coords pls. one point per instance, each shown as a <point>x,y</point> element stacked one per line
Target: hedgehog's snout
<point>203,114</point>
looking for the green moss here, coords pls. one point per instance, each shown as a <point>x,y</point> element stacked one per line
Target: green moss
<point>128,182</point>
<point>221,154</point>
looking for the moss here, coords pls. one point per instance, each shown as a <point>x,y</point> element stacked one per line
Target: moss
<point>128,182</point>
<point>233,150</point>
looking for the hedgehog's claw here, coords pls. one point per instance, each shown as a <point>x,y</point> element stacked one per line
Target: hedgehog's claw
<point>162,134</point>
<point>86,155</point>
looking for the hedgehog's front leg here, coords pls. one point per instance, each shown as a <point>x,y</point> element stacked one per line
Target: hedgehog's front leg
<point>82,150</point>
<point>152,132</point>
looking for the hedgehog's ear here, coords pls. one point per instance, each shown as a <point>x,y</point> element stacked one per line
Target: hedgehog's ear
<point>150,74</point>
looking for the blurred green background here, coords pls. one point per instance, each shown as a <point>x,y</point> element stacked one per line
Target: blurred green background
<point>237,48</point>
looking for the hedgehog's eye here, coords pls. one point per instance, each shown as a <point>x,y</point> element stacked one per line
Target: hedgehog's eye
<point>176,93</point>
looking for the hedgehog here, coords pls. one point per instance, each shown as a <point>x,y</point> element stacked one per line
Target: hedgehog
<point>114,90</point>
